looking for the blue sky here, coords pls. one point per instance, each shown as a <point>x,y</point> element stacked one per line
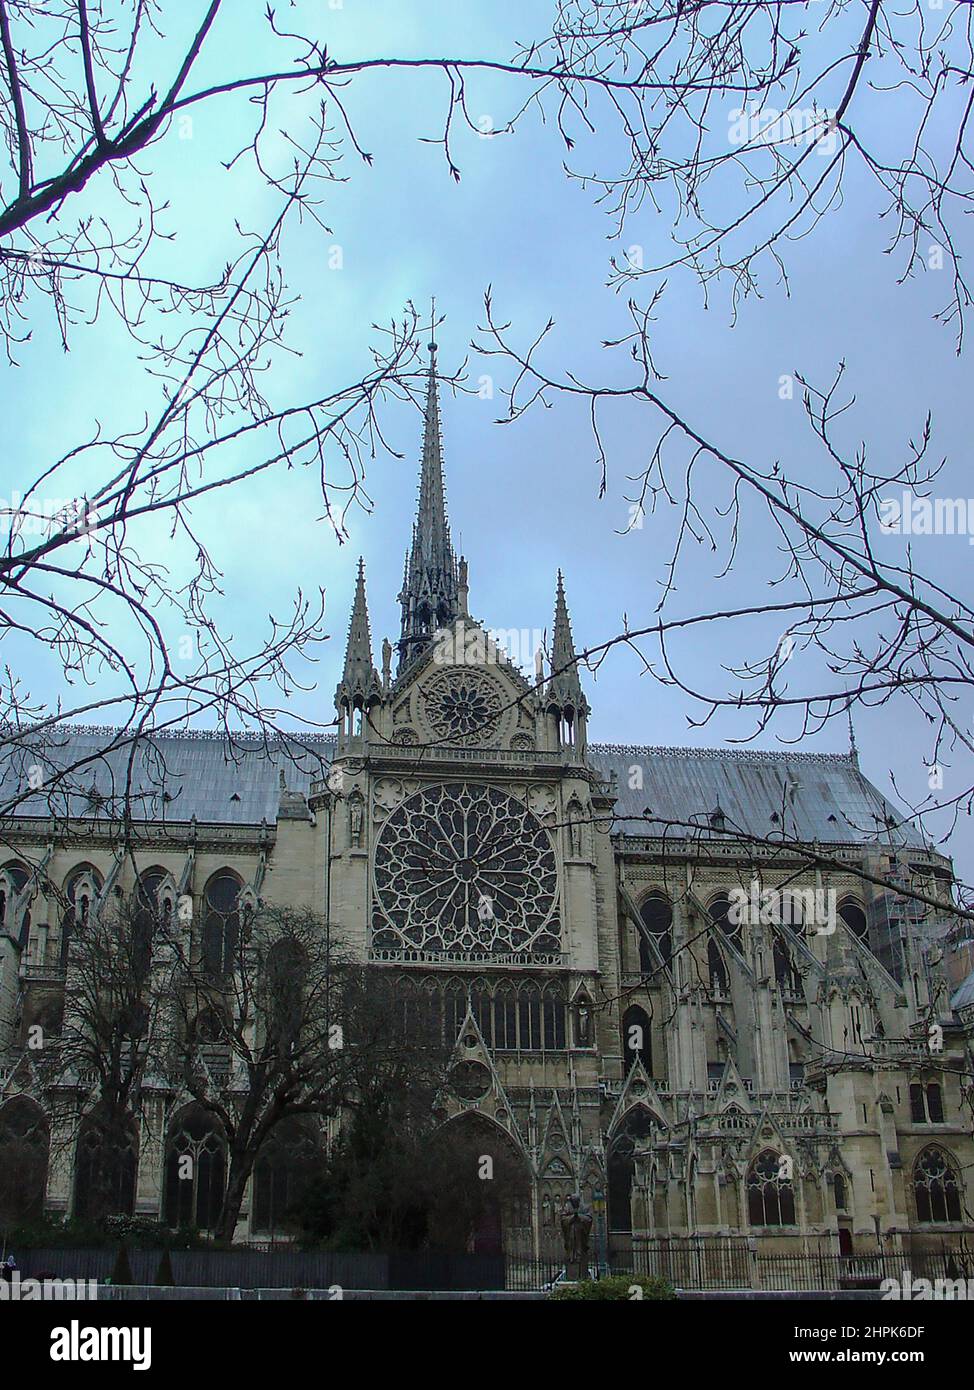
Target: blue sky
<point>523,499</point>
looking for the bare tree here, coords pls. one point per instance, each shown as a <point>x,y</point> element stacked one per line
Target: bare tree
<point>872,627</point>
<point>288,1026</point>
<point>96,1050</point>
<point>644,99</point>
<point>739,122</point>
<point>398,1178</point>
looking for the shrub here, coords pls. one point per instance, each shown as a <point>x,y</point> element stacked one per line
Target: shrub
<point>164,1274</point>
<point>618,1288</point>
<point>137,1232</point>
<point>122,1273</point>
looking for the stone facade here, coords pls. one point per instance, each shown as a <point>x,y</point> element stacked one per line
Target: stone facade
<point>681,981</point>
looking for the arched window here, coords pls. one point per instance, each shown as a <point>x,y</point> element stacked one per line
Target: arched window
<point>657,914</point>
<point>770,1194</point>
<point>716,968</point>
<point>637,1038</point>
<point>505,1018</point>
<point>47,1015</point>
<point>926,1103</point>
<point>195,1170</point>
<point>81,893</point>
<point>284,1167</point>
<point>529,1018</point>
<point>553,1038</point>
<point>789,980</point>
<point>637,1124</point>
<point>210,1028</point>
<point>719,909</point>
<point>13,880</point>
<point>524,1017</point>
<point>455,1010</point>
<point>482,1007</point>
<point>153,906</point>
<point>106,1163</point>
<point>428,1014</point>
<point>935,1104</point>
<point>838,1192</point>
<point>918,1113</point>
<point>408,996</point>
<point>935,1187</point>
<point>647,965</point>
<point>285,973</point>
<point>24,1151</point>
<point>221,923</point>
<point>853,915</point>
<point>733,1118</point>
<point>797,910</point>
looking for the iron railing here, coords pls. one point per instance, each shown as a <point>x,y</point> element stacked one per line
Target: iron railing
<point>710,1263</point>
<point>736,1263</point>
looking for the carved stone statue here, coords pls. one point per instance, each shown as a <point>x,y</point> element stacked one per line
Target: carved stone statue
<point>575,828</point>
<point>584,1024</point>
<point>355,821</point>
<point>576,1231</point>
<point>386,663</point>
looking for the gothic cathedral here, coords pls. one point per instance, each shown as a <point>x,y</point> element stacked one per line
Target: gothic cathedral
<point>679,981</point>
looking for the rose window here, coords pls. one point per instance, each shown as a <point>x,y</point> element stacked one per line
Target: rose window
<point>464,707</point>
<point>462,868</point>
<point>470,1080</point>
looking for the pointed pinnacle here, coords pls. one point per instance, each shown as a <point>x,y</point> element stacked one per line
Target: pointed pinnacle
<point>359,675</point>
<point>564,686</point>
<point>429,597</point>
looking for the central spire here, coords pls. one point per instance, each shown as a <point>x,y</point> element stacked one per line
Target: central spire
<point>429,597</point>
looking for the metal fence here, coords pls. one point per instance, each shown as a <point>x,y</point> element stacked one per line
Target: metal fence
<point>736,1263</point>
<point>276,1269</point>
<point>698,1264</point>
<point>722,1263</point>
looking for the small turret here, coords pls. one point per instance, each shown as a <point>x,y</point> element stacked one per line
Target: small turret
<point>565,700</point>
<point>359,687</point>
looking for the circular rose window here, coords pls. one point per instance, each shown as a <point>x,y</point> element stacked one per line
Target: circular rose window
<point>463,706</point>
<point>462,868</point>
<point>470,1080</point>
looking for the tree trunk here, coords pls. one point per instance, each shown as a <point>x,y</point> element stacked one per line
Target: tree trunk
<point>241,1167</point>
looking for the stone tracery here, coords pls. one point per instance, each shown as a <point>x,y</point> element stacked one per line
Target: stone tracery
<point>463,707</point>
<point>463,868</point>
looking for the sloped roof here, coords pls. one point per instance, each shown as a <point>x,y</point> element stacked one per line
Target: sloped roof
<point>170,777</point>
<point>965,994</point>
<point>814,796</point>
<point>177,776</point>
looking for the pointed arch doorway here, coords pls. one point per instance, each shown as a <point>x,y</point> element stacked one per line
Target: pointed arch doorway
<point>486,1215</point>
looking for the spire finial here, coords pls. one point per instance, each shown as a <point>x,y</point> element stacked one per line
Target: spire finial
<point>564,687</point>
<point>853,750</point>
<point>360,677</point>
<point>429,597</point>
